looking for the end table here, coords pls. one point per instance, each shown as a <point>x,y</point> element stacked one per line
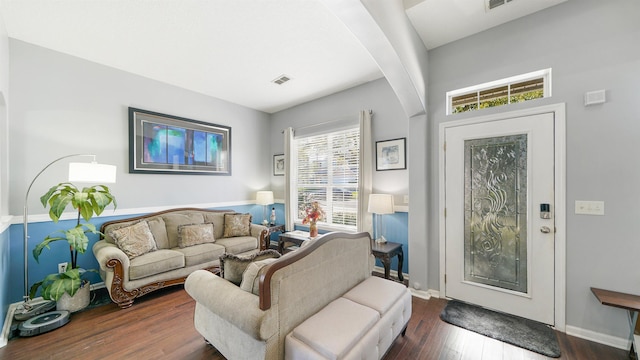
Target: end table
<point>386,251</point>
<point>265,241</point>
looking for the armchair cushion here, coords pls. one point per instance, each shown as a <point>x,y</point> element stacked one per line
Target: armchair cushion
<point>251,276</point>
<point>237,225</point>
<point>232,266</point>
<point>195,234</point>
<point>135,239</point>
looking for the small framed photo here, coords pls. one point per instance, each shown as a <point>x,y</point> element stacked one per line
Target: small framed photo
<point>391,154</point>
<point>278,165</point>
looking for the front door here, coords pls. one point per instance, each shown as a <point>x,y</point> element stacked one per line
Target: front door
<point>499,223</point>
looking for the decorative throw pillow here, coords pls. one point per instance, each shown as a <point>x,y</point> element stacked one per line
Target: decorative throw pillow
<point>237,225</point>
<point>251,276</point>
<point>194,234</point>
<point>232,266</point>
<point>135,239</point>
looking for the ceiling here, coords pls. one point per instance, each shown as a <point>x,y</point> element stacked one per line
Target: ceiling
<point>233,50</point>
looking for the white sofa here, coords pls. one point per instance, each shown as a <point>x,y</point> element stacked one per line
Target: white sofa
<point>171,261</point>
<point>298,309</point>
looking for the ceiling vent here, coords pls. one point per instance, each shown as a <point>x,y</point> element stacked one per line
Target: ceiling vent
<point>281,79</point>
<point>492,4</point>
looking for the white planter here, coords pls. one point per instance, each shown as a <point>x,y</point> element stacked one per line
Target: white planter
<point>76,302</point>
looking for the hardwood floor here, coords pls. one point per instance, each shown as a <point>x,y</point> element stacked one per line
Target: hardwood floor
<point>160,326</point>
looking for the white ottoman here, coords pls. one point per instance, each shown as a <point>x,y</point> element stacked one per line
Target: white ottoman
<point>360,325</point>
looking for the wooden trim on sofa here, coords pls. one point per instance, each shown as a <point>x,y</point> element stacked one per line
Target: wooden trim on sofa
<point>265,239</point>
<point>265,279</point>
<point>125,298</point>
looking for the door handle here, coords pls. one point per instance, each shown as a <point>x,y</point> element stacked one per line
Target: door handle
<point>545,229</point>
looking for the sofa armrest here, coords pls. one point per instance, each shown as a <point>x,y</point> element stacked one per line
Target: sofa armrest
<point>256,230</point>
<point>231,303</point>
<point>260,232</point>
<point>105,251</point>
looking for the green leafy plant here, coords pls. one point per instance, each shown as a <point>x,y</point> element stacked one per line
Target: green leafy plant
<point>89,201</point>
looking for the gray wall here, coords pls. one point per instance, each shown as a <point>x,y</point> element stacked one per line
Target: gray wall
<point>64,105</point>
<point>590,45</point>
<point>389,122</point>
<point>4,173</point>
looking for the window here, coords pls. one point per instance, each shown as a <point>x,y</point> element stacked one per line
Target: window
<point>327,171</point>
<point>534,85</point>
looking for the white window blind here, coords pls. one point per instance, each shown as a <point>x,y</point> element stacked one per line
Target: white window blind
<point>327,172</point>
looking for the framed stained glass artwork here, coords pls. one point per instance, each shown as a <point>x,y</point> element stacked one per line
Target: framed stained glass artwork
<point>166,144</point>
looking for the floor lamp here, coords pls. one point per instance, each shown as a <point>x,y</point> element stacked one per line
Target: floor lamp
<point>264,198</point>
<point>78,172</point>
<point>380,204</point>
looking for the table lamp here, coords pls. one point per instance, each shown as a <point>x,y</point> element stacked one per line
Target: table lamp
<point>264,198</point>
<point>380,204</point>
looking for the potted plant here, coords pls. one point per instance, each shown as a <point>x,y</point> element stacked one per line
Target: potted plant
<point>89,201</point>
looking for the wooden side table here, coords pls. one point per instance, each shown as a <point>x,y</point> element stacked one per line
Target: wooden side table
<point>386,251</point>
<point>629,302</point>
<point>265,239</point>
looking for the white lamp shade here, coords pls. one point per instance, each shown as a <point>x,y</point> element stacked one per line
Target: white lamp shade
<point>381,204</point>
<point>92,173</point>
<point>264,198</point>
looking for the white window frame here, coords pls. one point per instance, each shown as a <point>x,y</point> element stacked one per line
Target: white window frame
<point>294,208</point>
<point>545,74</point>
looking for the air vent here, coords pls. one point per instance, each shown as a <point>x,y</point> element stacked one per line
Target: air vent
<point>492,4</point>
<point>281,79</point>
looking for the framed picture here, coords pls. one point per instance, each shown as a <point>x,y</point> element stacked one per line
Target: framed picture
<point>166,144</point>
<point>278,165</point>
<point>391,154</point>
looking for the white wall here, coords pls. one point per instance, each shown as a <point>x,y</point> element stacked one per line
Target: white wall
<point>64,105</point>
<point>389,122</point>
<point>590,45</point>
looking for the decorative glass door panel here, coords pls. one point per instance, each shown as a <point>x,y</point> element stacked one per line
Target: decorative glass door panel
<point>495,212</point>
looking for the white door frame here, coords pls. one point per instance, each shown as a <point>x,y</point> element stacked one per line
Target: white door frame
<point>560,197</point>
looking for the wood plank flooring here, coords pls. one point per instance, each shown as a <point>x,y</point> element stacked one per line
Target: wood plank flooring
<point>160,326</point>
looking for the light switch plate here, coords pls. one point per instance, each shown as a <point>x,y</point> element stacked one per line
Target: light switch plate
<point>589,207</point>
<point>595,97</point>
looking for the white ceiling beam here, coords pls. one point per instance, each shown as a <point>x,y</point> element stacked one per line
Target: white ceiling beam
<point>384,30</point>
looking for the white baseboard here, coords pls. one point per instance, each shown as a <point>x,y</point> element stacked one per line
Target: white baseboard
<point>392,272</point>
<point>420,293</point>
<point>8,321</point>
<point>605,339</point>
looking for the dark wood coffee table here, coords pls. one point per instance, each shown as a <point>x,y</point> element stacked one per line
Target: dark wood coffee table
<point>386,251</point>
<point>291,238</point>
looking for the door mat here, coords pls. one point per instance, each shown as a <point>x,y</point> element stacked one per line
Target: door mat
<point>521,332</point>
